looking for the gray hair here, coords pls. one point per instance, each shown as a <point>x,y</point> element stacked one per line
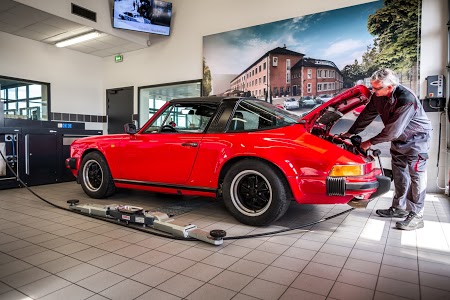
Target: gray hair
<point>386,77</point>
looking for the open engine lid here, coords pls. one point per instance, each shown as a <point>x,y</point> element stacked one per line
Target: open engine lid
<point>334,109</point>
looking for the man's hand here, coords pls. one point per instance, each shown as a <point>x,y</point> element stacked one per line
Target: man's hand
<point>345,135</point>
<point>365,145</point>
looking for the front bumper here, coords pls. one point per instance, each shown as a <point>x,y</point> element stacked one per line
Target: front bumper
<point>71,163</point>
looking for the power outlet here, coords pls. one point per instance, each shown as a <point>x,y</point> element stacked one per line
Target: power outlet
<point>10,137</point>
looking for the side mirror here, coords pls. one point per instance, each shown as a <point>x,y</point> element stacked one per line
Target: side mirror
<point>130,128</point>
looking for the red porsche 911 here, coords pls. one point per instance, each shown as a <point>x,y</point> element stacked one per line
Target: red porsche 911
<point>253,155</point>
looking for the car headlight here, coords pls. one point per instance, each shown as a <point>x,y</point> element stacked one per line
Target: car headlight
<point>347,170</point>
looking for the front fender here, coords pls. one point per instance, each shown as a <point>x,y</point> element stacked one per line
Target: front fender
<point>108,146</point>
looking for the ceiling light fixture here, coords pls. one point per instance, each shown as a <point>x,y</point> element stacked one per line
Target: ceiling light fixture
<point>78,39</point>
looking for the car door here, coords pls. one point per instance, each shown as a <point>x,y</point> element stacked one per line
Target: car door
<point>159,158</point>
<point>164,153</point>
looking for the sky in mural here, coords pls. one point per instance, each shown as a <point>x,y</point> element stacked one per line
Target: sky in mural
<point>338,35</point>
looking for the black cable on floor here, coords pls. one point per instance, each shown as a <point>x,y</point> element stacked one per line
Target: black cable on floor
<point>165,235</point>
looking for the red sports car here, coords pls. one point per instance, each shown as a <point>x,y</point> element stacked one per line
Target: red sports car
<point>253,155</point>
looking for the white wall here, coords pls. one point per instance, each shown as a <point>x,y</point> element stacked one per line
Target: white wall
<point>76,79</point>
<point>79,81</point>
<point>433,59</point>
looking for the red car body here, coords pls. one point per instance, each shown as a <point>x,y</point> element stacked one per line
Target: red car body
<point>257,170</point>
<point>358,110</point>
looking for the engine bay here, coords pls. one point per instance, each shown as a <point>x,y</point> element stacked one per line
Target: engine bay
<point>321,120</point>
<point>353,146</point>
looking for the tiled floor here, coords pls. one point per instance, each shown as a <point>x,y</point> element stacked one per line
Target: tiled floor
<point>47,253</point>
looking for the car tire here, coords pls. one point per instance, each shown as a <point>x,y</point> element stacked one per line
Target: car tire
<point>252,204</point>
<point>95,176</point>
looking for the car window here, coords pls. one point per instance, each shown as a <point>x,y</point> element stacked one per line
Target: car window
<point>253,115</point>
<point>185,118</point>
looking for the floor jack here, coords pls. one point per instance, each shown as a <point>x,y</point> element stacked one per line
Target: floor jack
<point>156,220</point>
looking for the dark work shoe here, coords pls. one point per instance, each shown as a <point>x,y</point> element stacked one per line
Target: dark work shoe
<point>392,212</point>
<point>412,222</point>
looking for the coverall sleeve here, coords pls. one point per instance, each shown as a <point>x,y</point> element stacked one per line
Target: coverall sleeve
<point>367,115</point>
<point>396,124</point>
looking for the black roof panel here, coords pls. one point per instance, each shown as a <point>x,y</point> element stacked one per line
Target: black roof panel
<point>209,99</point>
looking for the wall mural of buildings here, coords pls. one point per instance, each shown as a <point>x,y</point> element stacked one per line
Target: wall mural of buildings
<point>288,73</point>
<point>320,54</point>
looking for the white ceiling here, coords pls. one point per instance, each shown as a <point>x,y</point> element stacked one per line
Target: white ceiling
<point>31,23</point>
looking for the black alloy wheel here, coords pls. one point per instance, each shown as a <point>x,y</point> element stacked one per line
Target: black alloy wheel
<point>96,179</point>
<point>255,193</point>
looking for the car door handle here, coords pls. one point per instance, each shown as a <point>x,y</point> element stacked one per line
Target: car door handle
<point>193,145</point>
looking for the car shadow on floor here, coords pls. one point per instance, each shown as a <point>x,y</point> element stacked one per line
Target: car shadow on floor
<point>202,211</point>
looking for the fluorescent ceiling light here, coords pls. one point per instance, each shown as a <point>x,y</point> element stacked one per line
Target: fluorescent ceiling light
<point>78,39</point>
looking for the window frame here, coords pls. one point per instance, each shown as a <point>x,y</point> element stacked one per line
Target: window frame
<point>152,110</point>
<point>172,114</point>
<point>257,107</point>
<point>29,109</point>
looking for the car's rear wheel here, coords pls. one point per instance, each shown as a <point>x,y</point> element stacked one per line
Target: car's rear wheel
<point>96,179</point>
<point>254,193</point>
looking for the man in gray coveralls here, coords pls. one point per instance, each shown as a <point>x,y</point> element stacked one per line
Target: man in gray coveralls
<point>408,129</point>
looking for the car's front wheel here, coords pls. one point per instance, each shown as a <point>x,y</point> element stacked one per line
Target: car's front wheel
<point>96,179</point>
<point>254,193</point>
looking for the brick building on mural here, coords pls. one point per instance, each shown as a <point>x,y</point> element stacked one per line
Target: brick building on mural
<point>288,73</point>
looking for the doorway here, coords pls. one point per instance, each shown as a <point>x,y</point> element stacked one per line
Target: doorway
<point>119,108</point>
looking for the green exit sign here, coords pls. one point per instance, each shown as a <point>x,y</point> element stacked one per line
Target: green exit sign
<point>118,58</point>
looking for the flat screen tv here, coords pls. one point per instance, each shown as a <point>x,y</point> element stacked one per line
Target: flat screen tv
<point>151,16</point>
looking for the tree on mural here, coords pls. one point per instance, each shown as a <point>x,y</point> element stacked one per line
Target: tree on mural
<point>206,84</point>
<point>369,60</point>
<point>396,30</point>
<point>352,73</point>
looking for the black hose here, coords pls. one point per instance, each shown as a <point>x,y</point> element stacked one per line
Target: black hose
<point>166,235</point>
<point>82,213</point>
<point>288,229</point>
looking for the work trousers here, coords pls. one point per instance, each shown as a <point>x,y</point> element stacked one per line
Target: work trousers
<point>409,170</point>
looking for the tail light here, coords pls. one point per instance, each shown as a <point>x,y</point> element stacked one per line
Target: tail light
<point>351,170</point>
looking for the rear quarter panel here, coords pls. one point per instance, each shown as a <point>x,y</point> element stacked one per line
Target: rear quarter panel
<point>301,157</point>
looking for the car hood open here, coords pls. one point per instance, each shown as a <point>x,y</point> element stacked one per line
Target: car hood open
<point>331,111</point>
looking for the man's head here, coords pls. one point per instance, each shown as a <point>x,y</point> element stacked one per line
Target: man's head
<point>383,82</point>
